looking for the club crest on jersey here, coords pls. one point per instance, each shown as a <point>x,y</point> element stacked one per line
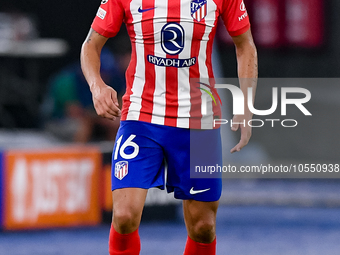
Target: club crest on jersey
<point>198,9</point>
<point>121,169</point>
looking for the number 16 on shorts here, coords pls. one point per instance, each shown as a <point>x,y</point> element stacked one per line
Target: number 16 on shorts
<point>121,167</point>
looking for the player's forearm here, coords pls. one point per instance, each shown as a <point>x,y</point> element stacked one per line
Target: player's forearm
<point>247,70</point>
<point>90,61</point>
<point>90,64</point>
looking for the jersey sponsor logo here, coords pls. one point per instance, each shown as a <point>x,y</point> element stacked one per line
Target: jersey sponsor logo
<point>121,169</point>
<point>104,1</point>
<point>194,192</point>
<point>172,42</point>
<point>198,9</point>
<point>140,10</point>
<point>101,13</point>
<point>243,7</point>
<point>172,38</point>
<point>171,62</point>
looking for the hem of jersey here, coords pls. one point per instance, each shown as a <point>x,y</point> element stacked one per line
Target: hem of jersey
<point>240,31</point>
<point>179,126</point>
<point>102,31</point>
<point>146,122</point>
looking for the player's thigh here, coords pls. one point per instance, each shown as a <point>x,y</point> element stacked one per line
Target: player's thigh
<point>194,148</point>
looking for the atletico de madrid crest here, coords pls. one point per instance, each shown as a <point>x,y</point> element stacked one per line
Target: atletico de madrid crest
<point>198,9</point>
<point>121,169</point>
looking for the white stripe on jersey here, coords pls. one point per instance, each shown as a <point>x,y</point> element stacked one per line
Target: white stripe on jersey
<point>207,119</point>
<point>184,104</point>
<point>159,100</point>
<point>139,79</point>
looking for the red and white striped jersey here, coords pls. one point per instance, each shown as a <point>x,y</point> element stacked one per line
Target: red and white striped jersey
<point>171,45</point>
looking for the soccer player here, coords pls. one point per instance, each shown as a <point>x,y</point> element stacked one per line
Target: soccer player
<point>161,116</point>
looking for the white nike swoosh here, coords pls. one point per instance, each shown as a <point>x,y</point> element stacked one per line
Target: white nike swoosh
<point>193,192</point>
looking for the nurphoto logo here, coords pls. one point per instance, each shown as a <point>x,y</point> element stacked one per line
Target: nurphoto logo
<point>239,104</point>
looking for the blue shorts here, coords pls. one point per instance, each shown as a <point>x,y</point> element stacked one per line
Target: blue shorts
<point>148,155</point>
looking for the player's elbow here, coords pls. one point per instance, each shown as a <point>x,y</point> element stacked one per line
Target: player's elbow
<point>85,49</point>
<point>89,54</point>
<point>91,47</point>
<point>245,45</point>
<point>246,49</point>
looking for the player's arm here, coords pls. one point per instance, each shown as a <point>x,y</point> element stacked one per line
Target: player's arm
<point>247,72</point>
<point>104,97</point>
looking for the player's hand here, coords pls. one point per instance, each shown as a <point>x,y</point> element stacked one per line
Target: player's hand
<point>105,101</point>
<point>245,132</point>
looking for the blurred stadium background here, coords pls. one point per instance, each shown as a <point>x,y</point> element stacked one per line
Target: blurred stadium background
<point>55,189</point>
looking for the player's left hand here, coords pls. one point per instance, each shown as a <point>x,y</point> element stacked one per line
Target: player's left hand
<point>238,121</point>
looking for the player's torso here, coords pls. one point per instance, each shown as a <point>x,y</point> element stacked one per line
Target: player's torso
<point>172,42</point>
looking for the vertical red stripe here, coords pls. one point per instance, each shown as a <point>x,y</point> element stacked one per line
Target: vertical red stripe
<point>149,49</point>
<point>171,73</point>
<point>131,70</point>
<point>195,93</point>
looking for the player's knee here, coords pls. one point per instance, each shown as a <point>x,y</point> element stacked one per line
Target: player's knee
<point>125,220</point>
<point>204,231</point>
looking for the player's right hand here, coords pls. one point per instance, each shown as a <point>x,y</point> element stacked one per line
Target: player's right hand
<point>105,101</point>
